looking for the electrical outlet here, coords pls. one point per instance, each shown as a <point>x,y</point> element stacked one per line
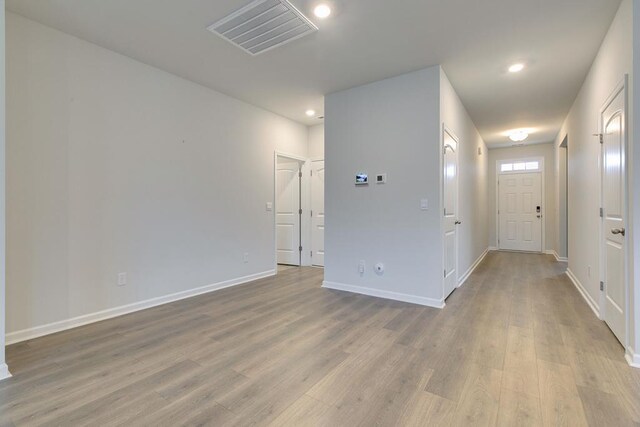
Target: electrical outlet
<point>379,269</point>
<point>122,279</point>
<point>361,267</point>
<point>245,257</point>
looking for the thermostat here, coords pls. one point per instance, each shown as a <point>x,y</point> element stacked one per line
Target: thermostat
<point>381,178</point>
<point>362,179</point>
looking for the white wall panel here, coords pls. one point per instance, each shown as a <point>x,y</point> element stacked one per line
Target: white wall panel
<point>115,166</point>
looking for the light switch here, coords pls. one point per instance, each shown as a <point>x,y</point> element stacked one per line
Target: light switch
<point>424,204</point>
<point>122,279</point>
<point>269,206</point>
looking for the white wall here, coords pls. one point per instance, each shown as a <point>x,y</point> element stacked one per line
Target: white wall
<point>613,61</point>
<point>316,142</point>
<point>3,367</point>
<point>115,166</point>
<point>391,126</point>
<point>395,126</point>
<point>473,175</point>
<point>545,151</point>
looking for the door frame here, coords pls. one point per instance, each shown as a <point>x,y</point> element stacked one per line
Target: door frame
<point>305,220</point>
<point>622,86</point>
<point>543,197</point>
<point>451,133</point>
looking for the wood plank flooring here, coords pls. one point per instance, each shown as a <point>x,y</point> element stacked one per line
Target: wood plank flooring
<point>515,346</point>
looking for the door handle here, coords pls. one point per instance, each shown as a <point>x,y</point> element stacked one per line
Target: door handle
<point>619,231</point>
<point>458,222</point>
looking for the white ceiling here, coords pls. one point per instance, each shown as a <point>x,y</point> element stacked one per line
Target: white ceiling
<point>365,41</point>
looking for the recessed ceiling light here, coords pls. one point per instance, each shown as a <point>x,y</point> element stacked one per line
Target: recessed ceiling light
<point>516,68</point>
<point>322,11</point>
<point>518,135</point>
<point>310,113</point>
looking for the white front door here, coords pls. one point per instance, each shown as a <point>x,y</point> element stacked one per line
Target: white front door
<point>451,221</point>
<point>520,212</point>
<point>614,221</point>
<point>288,212</point>
<point>317,213</point>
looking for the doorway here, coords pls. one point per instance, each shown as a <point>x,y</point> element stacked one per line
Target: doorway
<point>563,200</point>
<point>520,211</point>
<point>451,220</point>
<point>288,207</point>
<point>614,245</point>
<point>317,213</point>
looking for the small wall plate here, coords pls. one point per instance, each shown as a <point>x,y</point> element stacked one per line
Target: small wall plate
<point>381,178</point>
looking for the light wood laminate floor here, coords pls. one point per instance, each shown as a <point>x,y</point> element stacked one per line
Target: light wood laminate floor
<point>516,345</point>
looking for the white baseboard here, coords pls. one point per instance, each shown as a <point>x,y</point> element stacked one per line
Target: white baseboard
<point>63,325</point>
<point>492,248</point>
<point>471,269</point>
<point>594,306</point>
<point>633,358</point>
<point>556,256</point>
<point>4,372</point>
<point>413,299</point>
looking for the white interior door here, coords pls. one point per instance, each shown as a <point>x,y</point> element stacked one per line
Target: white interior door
<point>520,212</point>
<point>317,213</point>
<point>451,221</point>
<point>288,212</point>
<point>614,221</point>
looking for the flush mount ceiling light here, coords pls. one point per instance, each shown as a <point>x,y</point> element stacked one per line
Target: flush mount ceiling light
<point>516,68</point>
<point>518,135</point>
<point>322,11</point>
<point>310,113</point>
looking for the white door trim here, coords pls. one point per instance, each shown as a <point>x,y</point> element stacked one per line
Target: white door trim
<point>621,86</point>
<point>543,197</point>
<point>305,202</point>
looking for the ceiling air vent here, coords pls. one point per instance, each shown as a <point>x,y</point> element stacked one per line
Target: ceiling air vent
<point>263,25</point>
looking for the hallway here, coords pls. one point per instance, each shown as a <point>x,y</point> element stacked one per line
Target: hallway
<point>516,345</point>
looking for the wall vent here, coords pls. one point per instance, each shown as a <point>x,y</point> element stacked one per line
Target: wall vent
<point>263,25</point>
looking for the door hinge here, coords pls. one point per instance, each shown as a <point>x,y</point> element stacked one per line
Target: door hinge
<point>602,286</point>
<point>311,172</point>
<point>601,212</point>
<point>300,174</point>
<point>300,248</point>
<point>300,211</point>
<point>311,254</point>
<point>311,214</point>
<point>600,137</point>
